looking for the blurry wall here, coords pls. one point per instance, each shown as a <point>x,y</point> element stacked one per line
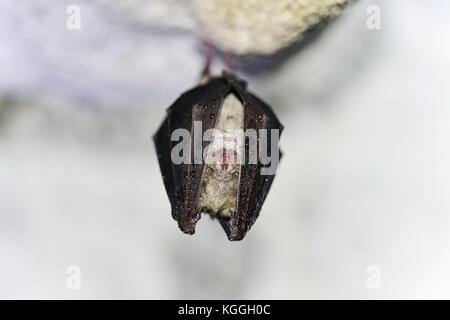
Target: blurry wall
<point>364,180</point>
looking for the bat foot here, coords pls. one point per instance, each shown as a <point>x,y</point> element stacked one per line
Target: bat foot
<point>206,73</point>
<point>229,59</point>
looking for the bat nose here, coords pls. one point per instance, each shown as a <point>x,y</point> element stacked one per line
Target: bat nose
<point>227,162</point>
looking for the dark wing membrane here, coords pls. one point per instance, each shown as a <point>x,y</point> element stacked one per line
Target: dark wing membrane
<point>200,104</point>
<point>263,182</point>
<point>253,186</point>
<point>162,143</point>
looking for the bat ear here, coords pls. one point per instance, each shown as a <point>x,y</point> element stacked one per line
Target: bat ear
<point>233,80</point>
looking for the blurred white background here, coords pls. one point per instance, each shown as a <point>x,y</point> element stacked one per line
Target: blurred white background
<point>365,178</point>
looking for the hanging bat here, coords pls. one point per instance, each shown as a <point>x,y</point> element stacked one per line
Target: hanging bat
<point>214,170</point>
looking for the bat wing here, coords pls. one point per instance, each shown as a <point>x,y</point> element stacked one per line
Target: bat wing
<point>183,181</point>
<point>253,187</point>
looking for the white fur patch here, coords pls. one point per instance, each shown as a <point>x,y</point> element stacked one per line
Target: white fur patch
<point>221,178</point>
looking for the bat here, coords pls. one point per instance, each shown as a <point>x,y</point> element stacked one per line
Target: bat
<point>220,166</point>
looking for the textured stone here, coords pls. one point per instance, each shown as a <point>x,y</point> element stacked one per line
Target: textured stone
<point>261,26</point>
